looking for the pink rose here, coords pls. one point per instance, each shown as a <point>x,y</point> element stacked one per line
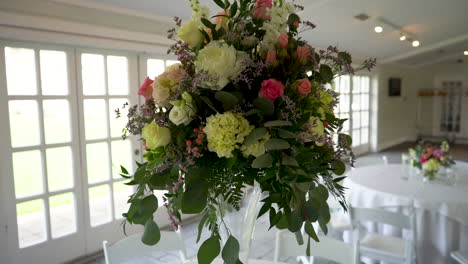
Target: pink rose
<point>260,11</point>
<point>271,89</point>
<point>146,89</point>
<point>303,86</point>
<point>423,160</point>
<point>271,57</point>
<point>437,153</point>
<point>283,40</point>
<point>303,53</point>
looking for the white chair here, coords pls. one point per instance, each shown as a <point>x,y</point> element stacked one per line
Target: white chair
<point>369,161</point>
<point>331,249</point>
<point>131,247</point>
<point>385,248</point>
<point>460,256</point>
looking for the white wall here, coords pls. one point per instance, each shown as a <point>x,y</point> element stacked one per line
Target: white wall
<point>396,116</point>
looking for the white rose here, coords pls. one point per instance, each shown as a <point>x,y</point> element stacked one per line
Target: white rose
<point>183,110</point>
<point>190,33</point>
<point>221,61</point>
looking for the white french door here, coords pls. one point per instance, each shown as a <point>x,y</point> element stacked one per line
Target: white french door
<point>60,188</point>
<point>354,105</point>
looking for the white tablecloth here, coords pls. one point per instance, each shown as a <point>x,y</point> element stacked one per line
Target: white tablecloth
<point>441,210</point>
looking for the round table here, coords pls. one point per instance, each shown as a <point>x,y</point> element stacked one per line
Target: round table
<point>441,209</point>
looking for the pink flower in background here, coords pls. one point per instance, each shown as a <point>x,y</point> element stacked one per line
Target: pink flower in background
<point>303,86</point>
<point>296,24</point>
<point>283,41</point>
<point>423,160</point>
<point>271,89</point>
<point>271,57</point>
<point>437,153</point>
<point>146,89</point>
<point>261,8</point>
<point>303,53</point>
<point>426,156</point>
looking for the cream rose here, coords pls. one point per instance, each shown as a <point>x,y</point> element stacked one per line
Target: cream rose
<point>183,111</point>
<point>156,136</point>
<point>190,33</point>
<point>221,61</point>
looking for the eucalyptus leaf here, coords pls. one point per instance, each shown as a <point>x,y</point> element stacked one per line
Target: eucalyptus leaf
<point>299,238</point>
<point>255,136</point>
<point>326,73</point>
<point>338,167</point>
<point>200,226</point>
<point>233,9</point>
<point>151,235</point>
<point>285,134</point>
<point>263,161</point>
<point>276,144</point>
<point>278,123</point>
<point>346,139</point>
<point>264,105</point>
<point>208,103</point>
<point>230,252</point>
<point>227,99</point>
<point>295,221</point>
<point>195,196</point>
<point>209,250</point>
<point>289,161</point>
<point>309,229</point>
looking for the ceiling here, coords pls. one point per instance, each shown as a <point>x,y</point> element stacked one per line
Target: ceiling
<point>438,25</point>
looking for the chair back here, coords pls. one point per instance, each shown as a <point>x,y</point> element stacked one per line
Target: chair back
<point>131,247</point>
<point>331,249</point>
<point>381,216</point>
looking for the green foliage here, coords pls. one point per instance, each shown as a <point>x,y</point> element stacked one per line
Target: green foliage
<point>151,235</point>
<point>263,161</point>
<point>209,250</point>
<point>196,192</point>
<point>230,252</point>
<point>255,136</point>
<point>276,144</point>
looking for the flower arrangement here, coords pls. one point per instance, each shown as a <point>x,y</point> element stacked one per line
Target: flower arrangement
<point>430,158</point>
<point>248,103</point>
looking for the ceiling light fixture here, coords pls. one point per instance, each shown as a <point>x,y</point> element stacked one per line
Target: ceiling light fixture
<point>378,29</point>
<point>415,43</point>
<point>465,53</point>
<point>402,38</point>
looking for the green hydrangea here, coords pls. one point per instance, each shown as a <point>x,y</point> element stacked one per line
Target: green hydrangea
<point>226,132</point>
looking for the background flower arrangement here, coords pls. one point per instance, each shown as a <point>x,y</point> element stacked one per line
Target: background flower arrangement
<point>430,158</point>
<point>248,103</point>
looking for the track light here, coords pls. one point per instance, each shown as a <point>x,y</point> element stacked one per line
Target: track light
<point>415,43</point>
<point>402,38</point>
<point>465,53</point>
<point>378,29</point>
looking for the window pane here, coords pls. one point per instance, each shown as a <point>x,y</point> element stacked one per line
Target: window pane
<point>62,215</point>
<point>345,84</point>
<point>31,221</point>
<point>356,138</point>
<point>356,120</point>
<point>100,211</point>
<point>364,135</point>
<point>365,119</point>
<point>365,83</point>
<point>171,62</point>
<point>24,123</point>
<point>117,75</point>
<point>356,84</point>
<point>54,74</point>
<point>20,71</point>
<point>364,101</point>
<point>346,124</point>
<point>344,103</point>
<point>59,168</point>
<point>154,68</point>
<point>97,160</point>
<point>356,102</point>
<point>57,121</point>
<point>95,118</point>
<point>121,194</point>
<point>92,71</point>
<point>121,155</point>
<point>117,124</point>
<point>27,171</point>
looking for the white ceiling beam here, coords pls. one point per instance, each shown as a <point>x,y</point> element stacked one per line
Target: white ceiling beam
<point>440,59</point>
<point>116,9</point>
<point>428,48</point>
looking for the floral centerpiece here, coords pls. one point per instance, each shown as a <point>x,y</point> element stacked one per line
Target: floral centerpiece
<point>430,159</point>
<point>247,104</point>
